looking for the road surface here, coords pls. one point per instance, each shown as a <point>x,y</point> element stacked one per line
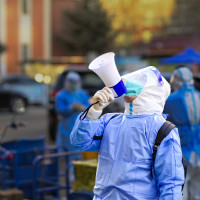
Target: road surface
<point>36,119</point>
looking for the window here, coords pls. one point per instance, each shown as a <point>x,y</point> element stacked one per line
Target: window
<point>25,7</point>
<point>24,52</point>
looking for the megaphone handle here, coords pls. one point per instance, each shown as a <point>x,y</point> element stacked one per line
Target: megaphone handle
<point>84,114</point>
<point>102,104</point>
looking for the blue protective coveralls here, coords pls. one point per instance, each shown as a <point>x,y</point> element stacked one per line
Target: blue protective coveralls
<point>125,151</point>
<point>64,100</point>
<point>183,108</point>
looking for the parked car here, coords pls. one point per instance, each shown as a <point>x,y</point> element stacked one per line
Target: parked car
<point>12,101</point>
<point>36,93</point>
<point>90,83</point>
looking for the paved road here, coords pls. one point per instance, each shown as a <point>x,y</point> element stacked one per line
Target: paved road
<point>36,119</point>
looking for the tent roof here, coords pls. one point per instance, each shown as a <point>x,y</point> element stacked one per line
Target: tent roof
<point>189,55</point>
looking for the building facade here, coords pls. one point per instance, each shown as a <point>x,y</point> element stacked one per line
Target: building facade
<point>25,30</point>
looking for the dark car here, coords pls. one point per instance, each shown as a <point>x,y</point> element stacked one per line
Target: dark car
<point>12,101</point>
<point>90,83</point>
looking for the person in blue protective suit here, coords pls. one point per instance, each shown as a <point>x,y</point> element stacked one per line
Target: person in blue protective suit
<point>183,109</point>
<point>70,101</point>
<point>125,150</point>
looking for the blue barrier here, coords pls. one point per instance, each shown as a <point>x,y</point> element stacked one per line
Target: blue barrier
<point>30,165</point>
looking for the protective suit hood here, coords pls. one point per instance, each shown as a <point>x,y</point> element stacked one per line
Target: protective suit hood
<point>181,78</point>
<point>154,93</point>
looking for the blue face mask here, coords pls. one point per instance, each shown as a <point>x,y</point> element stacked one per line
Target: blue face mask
<point>134,88</point>
<point>72,86</point>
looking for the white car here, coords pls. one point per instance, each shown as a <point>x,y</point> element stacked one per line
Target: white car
<point>36,93</point>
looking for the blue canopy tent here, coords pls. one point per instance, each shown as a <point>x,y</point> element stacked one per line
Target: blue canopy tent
<point>187,56</point>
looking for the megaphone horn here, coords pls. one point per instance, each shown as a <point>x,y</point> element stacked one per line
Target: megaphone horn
<point>104,66</point>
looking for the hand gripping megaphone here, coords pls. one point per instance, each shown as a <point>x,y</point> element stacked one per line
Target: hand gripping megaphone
<point>104,66</point>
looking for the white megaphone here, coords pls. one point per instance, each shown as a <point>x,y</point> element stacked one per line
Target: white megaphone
<point>104,66</point>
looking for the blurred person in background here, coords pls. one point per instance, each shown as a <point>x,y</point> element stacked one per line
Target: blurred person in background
<point>70,101</point>
<point>183,109</point>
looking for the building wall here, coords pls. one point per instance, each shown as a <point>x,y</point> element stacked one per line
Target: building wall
<point>25,29</point>
<point>47,33</point>
<point>59,7</point>
<point>2,36</point>
<point>12,31</point>
<point>37,23</point>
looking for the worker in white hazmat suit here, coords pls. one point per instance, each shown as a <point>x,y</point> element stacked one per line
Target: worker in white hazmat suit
<point>125,142</point>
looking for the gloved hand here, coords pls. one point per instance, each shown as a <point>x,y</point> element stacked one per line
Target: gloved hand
<point>105,97</point>
<point>77,107</point>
